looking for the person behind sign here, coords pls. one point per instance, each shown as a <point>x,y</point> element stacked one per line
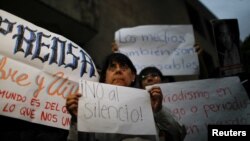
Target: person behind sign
<point>172,131</point>
<point>118,70</point>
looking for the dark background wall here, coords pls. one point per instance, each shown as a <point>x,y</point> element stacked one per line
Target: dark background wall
<point>114,15</point>
<point>92,23</point>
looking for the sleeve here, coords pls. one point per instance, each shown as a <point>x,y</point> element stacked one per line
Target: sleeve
<point>166,122</point>
<point>73,134</point>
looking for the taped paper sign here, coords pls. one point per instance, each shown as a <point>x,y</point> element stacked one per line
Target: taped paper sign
<point>38,69</point>
<point>105,108</point>
<point>167,47</point>
<point>201,102</point>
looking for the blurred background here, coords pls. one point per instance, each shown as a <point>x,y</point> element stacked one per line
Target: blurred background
<point>92,23</point>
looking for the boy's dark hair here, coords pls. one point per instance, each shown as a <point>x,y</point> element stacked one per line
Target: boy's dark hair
<point>119,58</point>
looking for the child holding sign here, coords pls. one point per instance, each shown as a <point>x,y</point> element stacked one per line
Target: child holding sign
<point>172,131</point>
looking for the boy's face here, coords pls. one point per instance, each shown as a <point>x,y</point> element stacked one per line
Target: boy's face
<point>150,79</point>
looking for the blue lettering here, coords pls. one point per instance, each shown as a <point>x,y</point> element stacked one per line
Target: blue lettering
<point>75,59</point>
<point>31,42</point>
<point>84,62</point>
<point>9,26</point>
<point>39,45</point>
<point>20,39</point>
<point>54,49</point>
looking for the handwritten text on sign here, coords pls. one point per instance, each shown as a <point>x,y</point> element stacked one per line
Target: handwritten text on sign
<point>168,47</point>
<point>114,109</point>
<point>36,98</point>
<point>201,102</point>
<point>38,70</point>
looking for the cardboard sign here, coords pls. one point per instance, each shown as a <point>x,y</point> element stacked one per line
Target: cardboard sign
<point>167,47</point>
<point>107,108</point>
<point>201,102</point>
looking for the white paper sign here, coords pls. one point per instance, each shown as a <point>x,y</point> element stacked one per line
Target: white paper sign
<point>38,70</point>
<point>202,102</point>
<point>107,108</point>
<point>167,47</point>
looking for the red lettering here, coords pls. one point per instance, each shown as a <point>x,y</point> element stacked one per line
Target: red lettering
<point>179,112</point>
<point>223,92</point>
<point>35,102</point>
<point>12,96</point>
<point>52,106</point>
<point>48,117</point>
<point>192,129</point>
<point>9,108</point>
<point>65,121</point>
<point>233,105</point>
<point>64,110</point>
<point>27,112</point>
<point>62,86</point>
<point>19,79</point>
<point>184,95</point>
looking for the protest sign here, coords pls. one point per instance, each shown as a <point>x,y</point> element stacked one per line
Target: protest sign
<point>106,108</point>
<point>167,47</point>
<point>38,70</point>
<point>198,103</point>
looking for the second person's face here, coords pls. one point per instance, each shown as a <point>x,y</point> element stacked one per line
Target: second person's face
<point>150,79</point>
<point>119,74</point>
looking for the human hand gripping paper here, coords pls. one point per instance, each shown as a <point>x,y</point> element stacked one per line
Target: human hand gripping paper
<point>107,108</point>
